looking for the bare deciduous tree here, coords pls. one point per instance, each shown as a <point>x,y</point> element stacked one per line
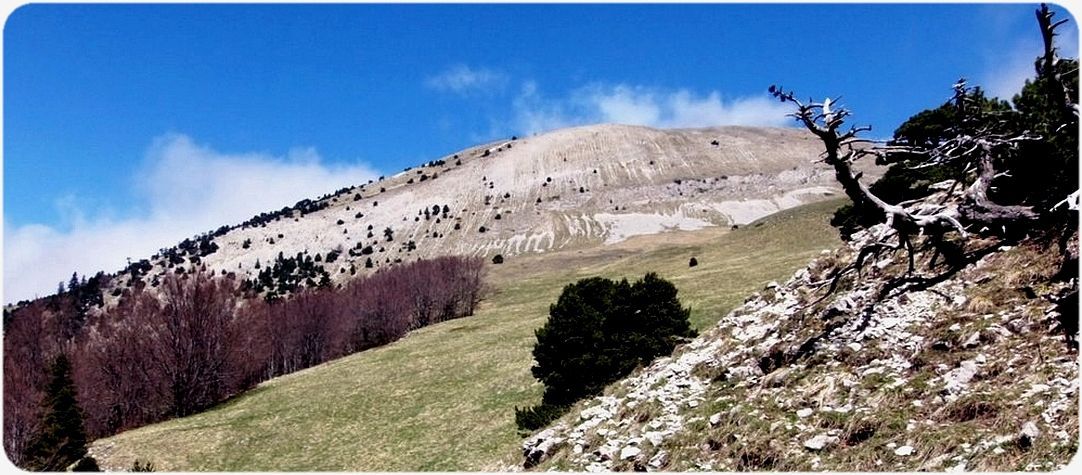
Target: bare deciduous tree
<point>188,334</point>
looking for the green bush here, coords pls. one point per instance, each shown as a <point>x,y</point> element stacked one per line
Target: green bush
<point>599,330</point>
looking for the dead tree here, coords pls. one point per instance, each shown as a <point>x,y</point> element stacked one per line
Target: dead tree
<point>1057,87</point>
<point>1047,64</point>
<point>842,149</point>
<point>964,207</point>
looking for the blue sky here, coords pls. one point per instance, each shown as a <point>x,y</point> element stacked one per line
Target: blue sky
<point>116,116</point>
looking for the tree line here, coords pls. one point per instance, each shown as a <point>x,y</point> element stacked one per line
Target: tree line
<point>195,341</point>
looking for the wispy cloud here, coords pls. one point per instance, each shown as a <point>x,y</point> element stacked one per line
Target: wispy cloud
<point>1007,69</point>
<point>638,105</point>
<point>186,188</point>
<point>1012,69</point>
<point>463,80</point>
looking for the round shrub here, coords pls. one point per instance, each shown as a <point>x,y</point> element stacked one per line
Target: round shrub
<point>599,330</point>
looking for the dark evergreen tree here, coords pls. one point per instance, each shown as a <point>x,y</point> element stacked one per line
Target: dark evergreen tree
<point>62,439</point>
<point>570,350</point>
<point>649,324</point>
<point>600,330</point>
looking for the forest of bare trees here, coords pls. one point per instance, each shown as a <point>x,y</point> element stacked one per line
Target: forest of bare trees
<point>194,342</point>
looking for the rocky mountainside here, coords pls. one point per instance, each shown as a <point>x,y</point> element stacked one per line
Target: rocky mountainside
<point>574,187</point>
<point>969,369</point>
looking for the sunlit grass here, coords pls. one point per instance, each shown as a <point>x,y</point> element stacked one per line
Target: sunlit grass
<point>443,397</point>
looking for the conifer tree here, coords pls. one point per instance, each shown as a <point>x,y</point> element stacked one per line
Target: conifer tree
<point>62,440</point>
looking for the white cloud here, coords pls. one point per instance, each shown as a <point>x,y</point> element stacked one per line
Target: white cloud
<point>636,105</point>
<point>1007,70</point>
<point>463,80</point>
<point>533,113</point>
<point>625,105</point>
<point>186,189</point>
<point>1009,74</point>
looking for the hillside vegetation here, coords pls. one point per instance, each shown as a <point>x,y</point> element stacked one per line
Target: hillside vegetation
<point>443,398</point>
<point>977,371</point>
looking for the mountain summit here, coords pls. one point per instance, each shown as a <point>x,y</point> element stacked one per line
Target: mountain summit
<point>568,188</point>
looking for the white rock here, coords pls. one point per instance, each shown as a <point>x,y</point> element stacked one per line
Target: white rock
<point>715,419</point>
<point>597,467</point>
<point>904,451</point>
<point>973,341</point>
<point>819,442</point>
<point>958,378</point>
<point>1030,432</point>
<point>655,437</point>
<point>596,412</point>
<point>629,452</point>
<point>608,450</point>
<point>955,328</point>
<point>658,460</point>
<point>807,411</point>
<point>998,450</point>
<point>1036,389</point>
<point>873,370</point>
<point>961,467</point>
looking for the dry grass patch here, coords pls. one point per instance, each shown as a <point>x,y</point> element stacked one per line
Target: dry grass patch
<point>443,398</point>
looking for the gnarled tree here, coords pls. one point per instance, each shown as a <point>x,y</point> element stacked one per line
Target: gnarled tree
<point>980,145</point>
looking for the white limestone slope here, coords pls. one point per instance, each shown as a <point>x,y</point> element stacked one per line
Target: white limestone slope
<point>574,187</point>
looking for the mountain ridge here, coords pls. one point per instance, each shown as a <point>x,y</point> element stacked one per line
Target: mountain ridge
<point>568,188</point>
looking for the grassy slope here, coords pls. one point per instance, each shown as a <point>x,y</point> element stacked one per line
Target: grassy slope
<point>443,397</point>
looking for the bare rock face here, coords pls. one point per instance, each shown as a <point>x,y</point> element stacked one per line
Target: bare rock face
<point>585,186</point>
